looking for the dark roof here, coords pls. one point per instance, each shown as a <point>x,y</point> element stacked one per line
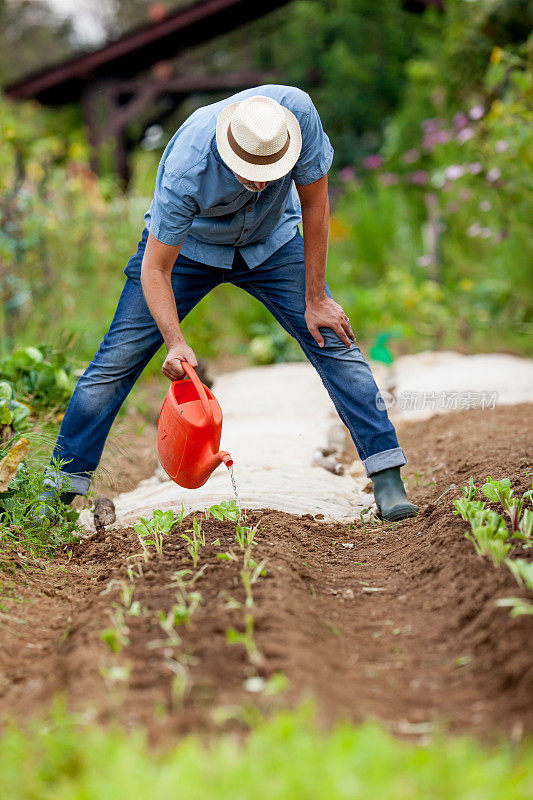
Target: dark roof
<point>140,49</point>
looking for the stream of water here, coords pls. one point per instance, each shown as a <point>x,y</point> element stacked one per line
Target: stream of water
<point>235,492</point>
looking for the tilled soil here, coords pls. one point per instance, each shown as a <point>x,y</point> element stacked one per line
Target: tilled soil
<point>397,622</point>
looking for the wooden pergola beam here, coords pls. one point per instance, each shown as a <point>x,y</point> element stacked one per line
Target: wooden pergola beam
<point>136,51</point>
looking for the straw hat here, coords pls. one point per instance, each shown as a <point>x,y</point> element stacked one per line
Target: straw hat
<point>258,138</point>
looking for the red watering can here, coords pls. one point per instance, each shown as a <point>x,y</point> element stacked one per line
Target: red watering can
<point>188,432</point>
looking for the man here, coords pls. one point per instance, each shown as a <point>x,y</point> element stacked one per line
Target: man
<point>224,210</point>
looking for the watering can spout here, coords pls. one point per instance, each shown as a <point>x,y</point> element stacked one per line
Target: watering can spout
<point>224,458</point>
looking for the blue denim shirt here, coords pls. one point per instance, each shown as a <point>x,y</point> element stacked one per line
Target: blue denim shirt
<point>199,203</point>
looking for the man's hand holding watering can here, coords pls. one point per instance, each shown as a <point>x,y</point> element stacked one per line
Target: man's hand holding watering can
<point>156,274</point>
<point>180,352</point>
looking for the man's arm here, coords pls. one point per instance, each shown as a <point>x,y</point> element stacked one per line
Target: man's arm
<point>156,270</point>
<point>321,310</point>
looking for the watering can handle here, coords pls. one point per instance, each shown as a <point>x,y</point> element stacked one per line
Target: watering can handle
<point>191,372</point>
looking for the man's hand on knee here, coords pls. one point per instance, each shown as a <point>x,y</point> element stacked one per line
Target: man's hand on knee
<point>176,354</point>
<point>326,313</point>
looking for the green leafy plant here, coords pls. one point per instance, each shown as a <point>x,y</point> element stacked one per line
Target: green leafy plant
<point>40,374</point>
<point>151,531</point>
<point>491,537</point>
<point>32,513</point>
<point>227,509</point>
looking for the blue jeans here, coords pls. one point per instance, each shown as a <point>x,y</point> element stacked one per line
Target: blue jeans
<point>133,338</point>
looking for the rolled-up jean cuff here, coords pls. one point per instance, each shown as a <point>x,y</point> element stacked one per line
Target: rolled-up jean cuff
<point>66,481</point>
<point>384,460</point>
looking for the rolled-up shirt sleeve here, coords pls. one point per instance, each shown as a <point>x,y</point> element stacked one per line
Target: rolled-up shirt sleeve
<point>317,153</point>
<point>173,209</point>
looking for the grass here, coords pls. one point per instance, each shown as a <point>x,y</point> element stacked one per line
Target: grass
<point>287,757</point>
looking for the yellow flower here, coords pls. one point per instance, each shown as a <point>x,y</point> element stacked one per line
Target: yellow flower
<point>338,229</point>
<point>496,55</point>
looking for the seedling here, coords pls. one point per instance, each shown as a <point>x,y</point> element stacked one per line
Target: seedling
<point>185,608</point>
<point>525,527</point>
<point>498,491</point>
<point>229,555</point>
<point>248,579</point>
<point>226,510</point>
<point>115,675</point>
<point>246,638</point>
<point>522,571</point>
<point>518,605</point>
<point>180,574</point>
<point>245,535</point>
<point>151,531</point>
<point>126,591</point>
<point>195,541</point>
<point>470,491</point>
<point>116,637</point>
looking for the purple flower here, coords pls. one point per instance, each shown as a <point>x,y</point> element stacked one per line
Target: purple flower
<point>475,168</point>
<point>373,162</point>
<point>474,230</point>
<point>431,125</point>
<point>388,179</point>
<point>431,140</point>
<point>464,135</point>
<point>410,156</point>
<point>460,121</point>
<point>453,172</point>
<point>501,146</point>
<point>494,174</point>
<point>419,177</point>
<point>347,174</point>
<point>476,112</point>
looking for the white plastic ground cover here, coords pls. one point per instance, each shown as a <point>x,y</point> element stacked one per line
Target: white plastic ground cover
<point>437,382</point>
<point>276,416</point>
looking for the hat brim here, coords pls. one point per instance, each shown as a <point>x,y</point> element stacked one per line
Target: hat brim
<point>258,172</point>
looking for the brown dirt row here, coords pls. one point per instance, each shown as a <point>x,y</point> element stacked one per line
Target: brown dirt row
<point>391,621</point>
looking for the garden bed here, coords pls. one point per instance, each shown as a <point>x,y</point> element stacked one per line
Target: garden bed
<point>397,622</point>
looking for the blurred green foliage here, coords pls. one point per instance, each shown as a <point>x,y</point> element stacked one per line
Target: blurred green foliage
<point>39,375</point>
<point>288,756</point>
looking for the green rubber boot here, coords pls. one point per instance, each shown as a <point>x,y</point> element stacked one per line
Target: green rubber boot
<point>389,494</point>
